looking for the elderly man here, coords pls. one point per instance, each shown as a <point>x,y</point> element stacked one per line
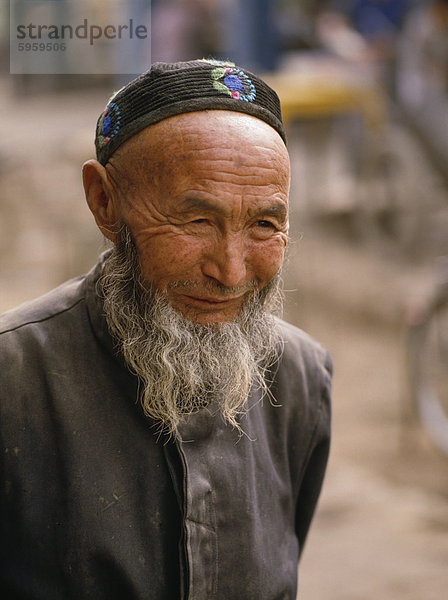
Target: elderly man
<point>164,435</point>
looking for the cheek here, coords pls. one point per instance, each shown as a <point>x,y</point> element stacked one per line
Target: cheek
<point>267,260</point>
<point>164,258</point>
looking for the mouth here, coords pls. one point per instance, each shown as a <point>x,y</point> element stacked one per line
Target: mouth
<point>212,302</point>
<point>208,309</point>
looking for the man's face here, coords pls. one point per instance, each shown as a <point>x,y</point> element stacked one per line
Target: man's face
<point>205,199</point>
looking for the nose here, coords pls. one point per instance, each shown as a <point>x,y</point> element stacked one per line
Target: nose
<point>226,261</point>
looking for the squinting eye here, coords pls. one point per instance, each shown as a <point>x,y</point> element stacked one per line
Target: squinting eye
<point>265,224</point>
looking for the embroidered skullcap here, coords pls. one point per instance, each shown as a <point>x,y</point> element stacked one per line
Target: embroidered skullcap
<point>169,89</point>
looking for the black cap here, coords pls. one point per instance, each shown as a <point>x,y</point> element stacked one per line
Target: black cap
<point>169,89</point>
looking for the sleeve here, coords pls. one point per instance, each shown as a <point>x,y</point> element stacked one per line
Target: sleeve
<point>316,464</point>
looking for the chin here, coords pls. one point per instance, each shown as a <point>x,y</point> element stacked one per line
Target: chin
<point>207,318</point>
<point>210,319</point>
<point>213,320</point>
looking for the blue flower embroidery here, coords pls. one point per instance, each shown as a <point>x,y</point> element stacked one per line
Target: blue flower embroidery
<point>105,127</point>
<point>108,124</point>
<point>233,82</point>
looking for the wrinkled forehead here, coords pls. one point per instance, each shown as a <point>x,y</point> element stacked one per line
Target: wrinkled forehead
<point>212,133</point>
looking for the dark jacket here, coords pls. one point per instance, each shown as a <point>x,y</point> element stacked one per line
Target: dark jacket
<point>94,504</point>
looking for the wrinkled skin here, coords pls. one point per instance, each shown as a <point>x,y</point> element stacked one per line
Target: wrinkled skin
<point>205,196</point>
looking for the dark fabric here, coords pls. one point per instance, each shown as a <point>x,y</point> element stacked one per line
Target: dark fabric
<point>95,505</point>
<point>169,89</point>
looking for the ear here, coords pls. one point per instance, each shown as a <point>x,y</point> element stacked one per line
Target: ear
<point>99,198</point>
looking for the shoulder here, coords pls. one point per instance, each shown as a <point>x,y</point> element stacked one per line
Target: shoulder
<point>44,309</point>
<point>302,351</point>
<point>37,335</point>
<point>301,381</point>
<point>45,339</point>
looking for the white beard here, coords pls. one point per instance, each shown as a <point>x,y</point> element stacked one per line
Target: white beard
<point>183,366</point>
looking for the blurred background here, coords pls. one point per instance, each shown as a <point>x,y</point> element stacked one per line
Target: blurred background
<point>364,89</point>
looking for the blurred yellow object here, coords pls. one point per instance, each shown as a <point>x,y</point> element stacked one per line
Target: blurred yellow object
<point>317,96</point>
